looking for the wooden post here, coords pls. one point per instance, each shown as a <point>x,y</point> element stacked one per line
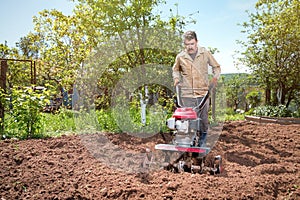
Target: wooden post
<point>213,103</point>
<point>3,71</point>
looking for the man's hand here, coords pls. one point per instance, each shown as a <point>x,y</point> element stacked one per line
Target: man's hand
<point>214,82</point>
<point>176,82</point>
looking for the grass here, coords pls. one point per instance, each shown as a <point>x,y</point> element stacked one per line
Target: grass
<point>59,123</point>
<point>68,122</point>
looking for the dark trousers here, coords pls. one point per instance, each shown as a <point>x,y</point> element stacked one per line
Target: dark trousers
<point>202,114</point>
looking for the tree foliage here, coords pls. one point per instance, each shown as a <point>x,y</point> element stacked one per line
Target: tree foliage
<point>124,33</point>
<point>29,46</point>
<point>101,43</point>
<point>63,47</point>
<point>4,50</point>
<point>272,49</point>
<point>236,87</point>
<point>128,35</point>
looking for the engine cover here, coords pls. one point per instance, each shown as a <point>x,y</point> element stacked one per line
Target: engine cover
<point>185,113</point>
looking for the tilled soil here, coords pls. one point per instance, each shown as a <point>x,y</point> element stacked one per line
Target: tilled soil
<point>261,161</point>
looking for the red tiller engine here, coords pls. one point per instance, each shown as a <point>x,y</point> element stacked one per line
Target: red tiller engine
<point>184,121</point>
<point>185,125</point>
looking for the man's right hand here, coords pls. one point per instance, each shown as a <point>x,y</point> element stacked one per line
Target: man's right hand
<point>176,82</point>
<point>213,83</point>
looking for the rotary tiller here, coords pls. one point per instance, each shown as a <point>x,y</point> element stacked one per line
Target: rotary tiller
<point>185,153</point>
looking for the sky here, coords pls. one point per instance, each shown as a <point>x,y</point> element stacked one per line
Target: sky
<point>216,22</point>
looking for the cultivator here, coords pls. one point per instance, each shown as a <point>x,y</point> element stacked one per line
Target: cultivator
<point>186,152</point>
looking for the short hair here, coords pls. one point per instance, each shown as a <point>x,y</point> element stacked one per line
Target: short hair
<point>189,35</point>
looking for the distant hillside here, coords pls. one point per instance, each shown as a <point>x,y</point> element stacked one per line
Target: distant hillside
<point>228,76</point>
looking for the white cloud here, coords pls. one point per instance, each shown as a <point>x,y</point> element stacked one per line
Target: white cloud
<point>226,60</point>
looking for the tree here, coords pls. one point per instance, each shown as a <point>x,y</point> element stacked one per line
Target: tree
<point>128,35</point>
<point>272,49</point>
<point>63,47</point>
<point>29,45</point>
<point>236,87</point>
<point>4,50</point>
<point>115,36</point>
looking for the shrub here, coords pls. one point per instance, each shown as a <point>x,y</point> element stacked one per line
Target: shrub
<point>296,113</point>
<point>272,111</point>
<point>254,98</point>
<point>24,119</point>
<point>107,121</point>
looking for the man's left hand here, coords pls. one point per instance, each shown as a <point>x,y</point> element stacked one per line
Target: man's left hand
<point>214,82</point>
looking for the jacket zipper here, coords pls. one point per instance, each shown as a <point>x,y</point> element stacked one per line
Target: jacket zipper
<point>192,79</point>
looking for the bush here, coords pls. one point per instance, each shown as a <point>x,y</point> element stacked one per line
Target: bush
<point>254,98</point>
<point>107,121</point>
<point>272,111</point>
<point>24,118</point>
<point>296,113</point>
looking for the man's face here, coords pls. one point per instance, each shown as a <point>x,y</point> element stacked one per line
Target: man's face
<point>191,46</point>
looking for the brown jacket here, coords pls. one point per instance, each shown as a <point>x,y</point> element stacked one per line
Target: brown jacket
<point>193,74</point>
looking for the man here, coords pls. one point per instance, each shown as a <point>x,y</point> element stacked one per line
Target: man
<point>191,71</point>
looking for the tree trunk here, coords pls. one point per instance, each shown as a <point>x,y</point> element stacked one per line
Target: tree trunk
<point>268,92</point>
